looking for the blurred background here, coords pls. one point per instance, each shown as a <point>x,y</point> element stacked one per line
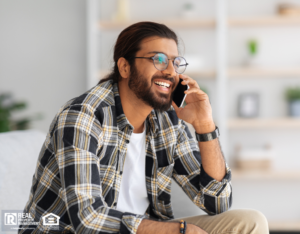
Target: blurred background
<point>244,53</point>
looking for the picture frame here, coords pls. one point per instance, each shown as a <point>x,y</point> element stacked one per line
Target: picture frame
<point>248,105</point>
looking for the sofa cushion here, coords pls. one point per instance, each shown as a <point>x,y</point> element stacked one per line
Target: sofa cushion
<point>19,151</point>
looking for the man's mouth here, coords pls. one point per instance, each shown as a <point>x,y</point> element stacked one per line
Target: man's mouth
<point>163,84</point>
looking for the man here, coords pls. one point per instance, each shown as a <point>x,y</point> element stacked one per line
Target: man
<point>107,163</point>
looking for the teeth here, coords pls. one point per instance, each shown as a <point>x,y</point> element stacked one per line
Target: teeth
<point>163,84</point>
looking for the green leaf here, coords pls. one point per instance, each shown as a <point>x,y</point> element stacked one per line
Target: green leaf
<point>252,46</point>
<point>18,106</point>
<point>22,124</point>
<point>7,106</point>
<point>4,125</point>
<point>292,93</point>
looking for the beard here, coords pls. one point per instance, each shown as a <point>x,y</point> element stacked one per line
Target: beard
<point>140,87</point>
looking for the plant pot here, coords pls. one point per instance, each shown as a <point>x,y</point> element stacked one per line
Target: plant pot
<point>294,108</point>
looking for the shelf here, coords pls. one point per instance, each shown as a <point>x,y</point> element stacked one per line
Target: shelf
<point>207,74</point>
<point>211,23</point>
<point>253,72</point>
<point>240,72</point>
<point>258,123</point>
<point>264,21</point>
<point>268,174</point>
<point>199,23</point>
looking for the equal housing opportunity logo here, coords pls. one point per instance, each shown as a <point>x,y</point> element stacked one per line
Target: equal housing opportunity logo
<point>12,220</point>
<point>51,219</point>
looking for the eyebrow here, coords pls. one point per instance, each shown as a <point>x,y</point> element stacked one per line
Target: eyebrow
<point>155,52</point>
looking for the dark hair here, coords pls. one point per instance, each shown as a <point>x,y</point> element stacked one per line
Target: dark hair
<point>128,43</point>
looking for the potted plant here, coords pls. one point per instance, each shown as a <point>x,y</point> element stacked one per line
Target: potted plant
<point>188,11</point>
<point>7,107</point>
<point>293,97</point>
<point>252,49</point>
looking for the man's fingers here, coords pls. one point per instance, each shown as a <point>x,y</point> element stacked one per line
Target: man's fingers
<point>189,81</point>
<point>194,90</point>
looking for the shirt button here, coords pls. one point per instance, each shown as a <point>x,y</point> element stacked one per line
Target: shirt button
<point>127,141</point>
<point>115,204</point>
<point>121,172</point>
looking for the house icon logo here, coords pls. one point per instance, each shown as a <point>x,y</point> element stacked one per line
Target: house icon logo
<point>51,219</point>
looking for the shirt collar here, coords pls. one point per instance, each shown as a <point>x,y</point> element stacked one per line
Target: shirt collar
<point>153,120</point>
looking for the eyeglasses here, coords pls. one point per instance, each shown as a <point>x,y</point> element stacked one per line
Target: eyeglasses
<point>161,62</point>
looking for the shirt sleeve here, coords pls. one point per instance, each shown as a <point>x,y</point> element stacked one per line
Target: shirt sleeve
<point>210,195</point>
<point>75,141</point>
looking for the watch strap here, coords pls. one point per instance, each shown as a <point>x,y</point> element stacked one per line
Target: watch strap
<point>208,136</point>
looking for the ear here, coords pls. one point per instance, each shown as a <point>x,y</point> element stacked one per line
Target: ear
<point>124,67</point>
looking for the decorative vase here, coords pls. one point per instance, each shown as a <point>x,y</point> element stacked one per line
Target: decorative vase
<point>294,108</point>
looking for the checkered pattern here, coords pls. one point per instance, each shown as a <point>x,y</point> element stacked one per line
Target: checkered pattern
<point>79,169</point>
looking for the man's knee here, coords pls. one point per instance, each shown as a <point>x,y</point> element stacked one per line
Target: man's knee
<point>249,221</point>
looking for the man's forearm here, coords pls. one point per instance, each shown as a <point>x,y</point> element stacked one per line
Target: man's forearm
<point>155,227</point>
<point>211,154</point>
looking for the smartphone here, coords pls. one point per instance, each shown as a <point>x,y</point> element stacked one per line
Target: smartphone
<point>179,95</point>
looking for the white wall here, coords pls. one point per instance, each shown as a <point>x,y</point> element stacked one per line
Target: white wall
<point>43,53</point>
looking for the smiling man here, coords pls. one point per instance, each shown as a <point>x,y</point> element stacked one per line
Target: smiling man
<point>111,153</point>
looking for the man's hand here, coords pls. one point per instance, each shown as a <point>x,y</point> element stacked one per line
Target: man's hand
<point>154,227</point>
<point>197,111</point>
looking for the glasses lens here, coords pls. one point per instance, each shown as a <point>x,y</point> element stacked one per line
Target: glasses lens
<point>160,61</point>
<point>180,64</point>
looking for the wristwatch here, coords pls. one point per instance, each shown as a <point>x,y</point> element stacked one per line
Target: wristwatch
<point>208,136</point>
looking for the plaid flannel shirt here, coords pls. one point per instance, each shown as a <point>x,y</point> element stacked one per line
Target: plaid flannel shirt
<point>79,169</point>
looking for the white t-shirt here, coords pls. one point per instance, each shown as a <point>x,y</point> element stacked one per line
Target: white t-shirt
<point>133,193</point>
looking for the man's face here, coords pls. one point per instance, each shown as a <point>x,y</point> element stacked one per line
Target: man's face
<point>146,81</point>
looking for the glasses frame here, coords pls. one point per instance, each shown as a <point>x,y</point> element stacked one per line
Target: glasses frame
<point>152,58</point>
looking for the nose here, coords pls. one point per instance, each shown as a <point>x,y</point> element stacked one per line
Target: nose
<point>170,70</point>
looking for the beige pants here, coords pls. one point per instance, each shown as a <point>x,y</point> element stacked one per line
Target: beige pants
<point>231,222</point>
